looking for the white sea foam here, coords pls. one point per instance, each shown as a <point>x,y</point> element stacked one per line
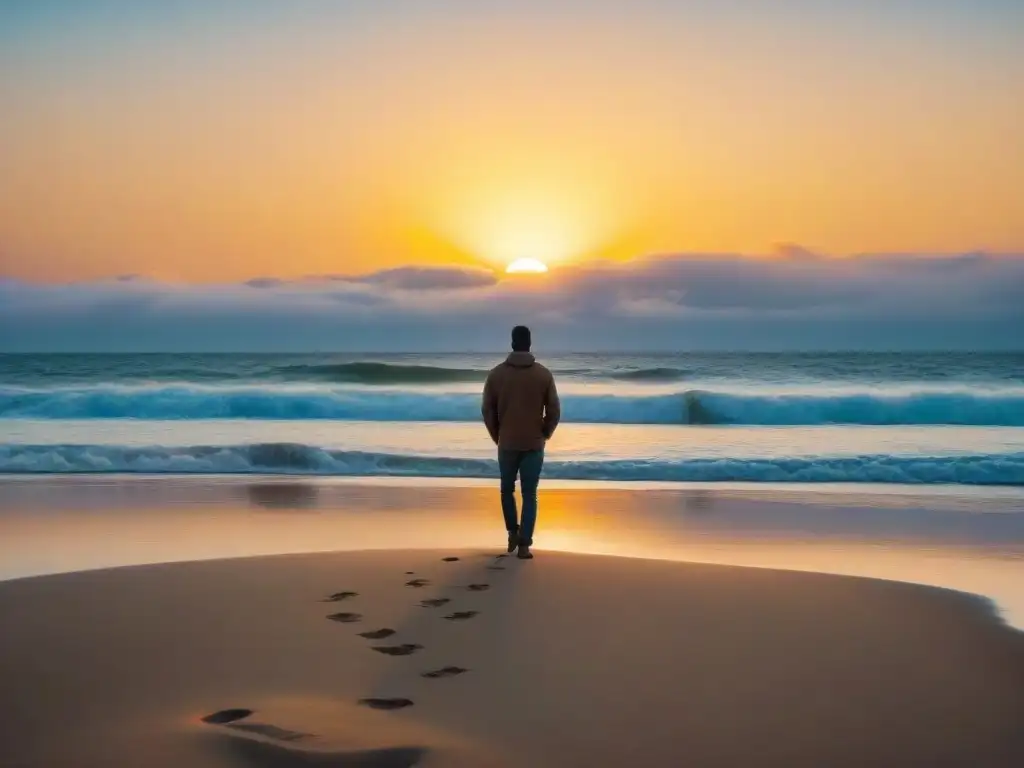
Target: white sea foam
<point>182,401</point>
<point>294,458</point>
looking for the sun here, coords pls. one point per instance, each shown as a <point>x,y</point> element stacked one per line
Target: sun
<point>527,266</point>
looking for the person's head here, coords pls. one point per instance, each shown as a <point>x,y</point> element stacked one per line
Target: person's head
<point>521,339</point>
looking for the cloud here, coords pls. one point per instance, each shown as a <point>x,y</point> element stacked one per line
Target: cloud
<point>264,282</point>
<point>794,299</point>
<point>429,279</point>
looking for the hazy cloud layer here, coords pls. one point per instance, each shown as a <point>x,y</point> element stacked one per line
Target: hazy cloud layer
<point>428,279</point>
<point>793,300</point>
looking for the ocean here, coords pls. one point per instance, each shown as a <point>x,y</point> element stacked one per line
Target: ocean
<point>938,418</point>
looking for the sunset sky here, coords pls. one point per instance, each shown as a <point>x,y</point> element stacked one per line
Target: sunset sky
<point>213,142</point>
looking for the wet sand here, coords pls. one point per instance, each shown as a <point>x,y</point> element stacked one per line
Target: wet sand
<point>966,539</point>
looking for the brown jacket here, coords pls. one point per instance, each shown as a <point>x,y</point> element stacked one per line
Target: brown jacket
<point>520,405</point>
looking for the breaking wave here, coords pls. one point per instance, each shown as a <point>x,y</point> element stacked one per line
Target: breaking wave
<point>181,401</point>
<point>255,371</point>
<point>376,373</point>
<point>293,458</point>
<point>650,374</point>
<point>379,373</point>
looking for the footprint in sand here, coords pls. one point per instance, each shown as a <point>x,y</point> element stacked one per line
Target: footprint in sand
<point>231,717</point>
<point>461,615</point>
<point>337,597</point>
<point>450,559</point>
<point>222,716</point>
<point>445,672</point>
<point>435,602</point>
<point>378,634</point>
<point>343,735</point>
<point>417,583</point>
<point>410,573</point>
<point>405,649</point>
<point>369,732</point>
<point>495,568</point>
<point>346,618</point>
<point>478,587</point>
<point>386,703</point>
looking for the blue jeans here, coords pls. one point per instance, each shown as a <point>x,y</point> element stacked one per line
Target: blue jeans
<point>527,465</point>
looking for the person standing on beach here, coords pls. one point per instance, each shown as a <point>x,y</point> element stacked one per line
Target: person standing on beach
<point>521,411</point>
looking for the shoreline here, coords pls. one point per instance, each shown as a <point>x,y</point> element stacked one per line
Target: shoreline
<point>75,524</point>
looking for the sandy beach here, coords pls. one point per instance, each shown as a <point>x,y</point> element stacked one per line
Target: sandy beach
<point>567,660</point>
<point>511,384</point>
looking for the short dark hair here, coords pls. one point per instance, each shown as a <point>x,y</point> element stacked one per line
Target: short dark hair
<point>521,339</point>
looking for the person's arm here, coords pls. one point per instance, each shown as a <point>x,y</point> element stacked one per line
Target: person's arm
<point>552,409</point>
<point>489,409</point>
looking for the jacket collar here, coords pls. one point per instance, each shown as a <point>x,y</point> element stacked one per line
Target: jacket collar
<point>520,360</point>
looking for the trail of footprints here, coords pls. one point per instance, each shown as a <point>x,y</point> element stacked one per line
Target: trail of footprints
<point>231,718</point>
<point>407,649</point>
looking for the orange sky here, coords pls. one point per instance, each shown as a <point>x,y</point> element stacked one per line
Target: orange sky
<point>212,148</point>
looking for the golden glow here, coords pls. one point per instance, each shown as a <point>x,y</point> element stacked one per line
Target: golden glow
<point>532,195</point>
<point>527,266</point>
<point>308,149</point>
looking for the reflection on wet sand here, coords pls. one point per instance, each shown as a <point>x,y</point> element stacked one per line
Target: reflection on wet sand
<point>72,524</point>
<point>297,496</point>
<point>698,502</point>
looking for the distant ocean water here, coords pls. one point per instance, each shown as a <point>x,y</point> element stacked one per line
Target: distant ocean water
<point>804,418</point>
